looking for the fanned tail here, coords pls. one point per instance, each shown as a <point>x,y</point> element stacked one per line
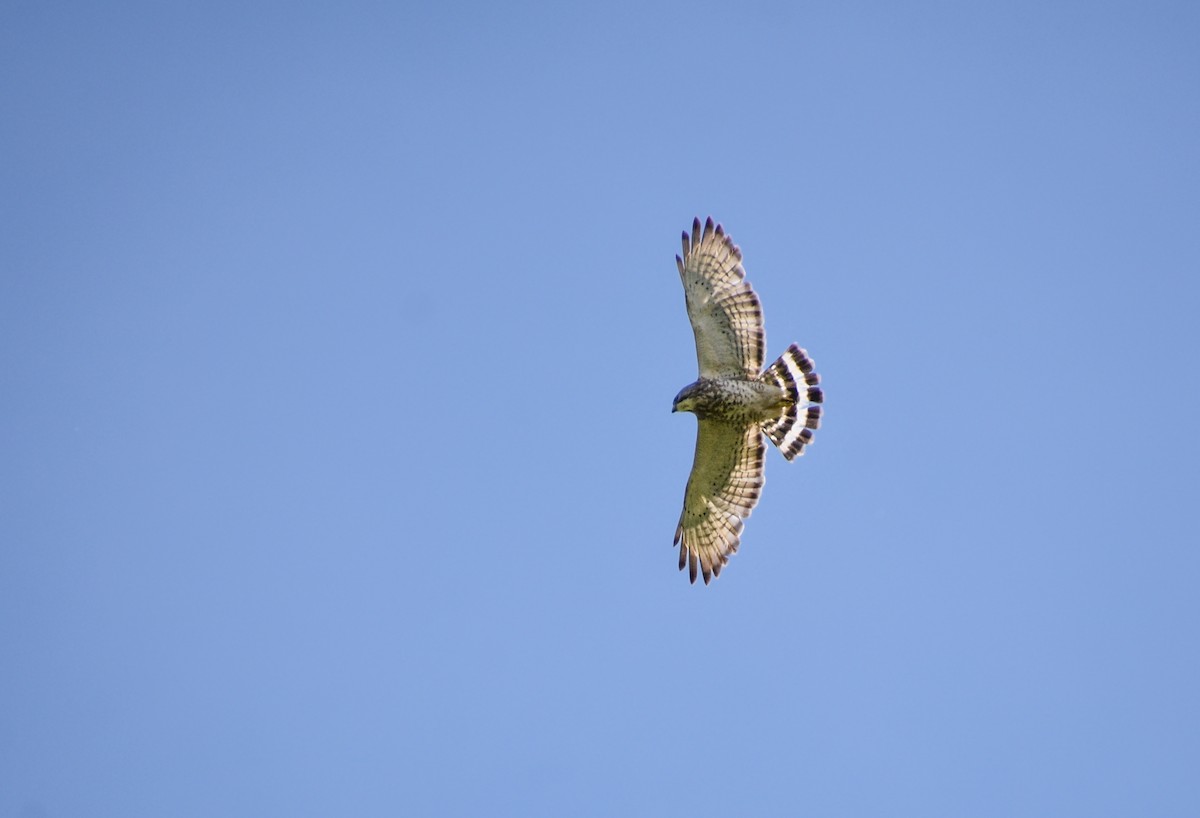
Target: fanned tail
<point>793,429</point>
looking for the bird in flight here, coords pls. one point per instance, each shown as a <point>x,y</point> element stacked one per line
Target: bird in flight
<point>735,403</point>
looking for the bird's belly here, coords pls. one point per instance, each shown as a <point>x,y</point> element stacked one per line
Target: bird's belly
<point>740,400</point>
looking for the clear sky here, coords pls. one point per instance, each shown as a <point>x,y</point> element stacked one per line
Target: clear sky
<point>337,468</point>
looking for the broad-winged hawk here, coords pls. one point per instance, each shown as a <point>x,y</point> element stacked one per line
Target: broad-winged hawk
<point>734,404</point>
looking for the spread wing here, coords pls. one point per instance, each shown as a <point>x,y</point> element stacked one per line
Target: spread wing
<point>725,313</point>
<point>726,480</point>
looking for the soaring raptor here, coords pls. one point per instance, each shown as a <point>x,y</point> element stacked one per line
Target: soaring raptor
<point>734,404</point>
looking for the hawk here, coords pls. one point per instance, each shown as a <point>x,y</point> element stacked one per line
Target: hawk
<point>735,404</point>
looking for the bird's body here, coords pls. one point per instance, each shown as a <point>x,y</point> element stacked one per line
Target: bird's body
<point>734,403</point>
<point>736,400</point>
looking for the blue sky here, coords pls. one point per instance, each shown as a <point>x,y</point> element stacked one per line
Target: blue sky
<point>337,347</point>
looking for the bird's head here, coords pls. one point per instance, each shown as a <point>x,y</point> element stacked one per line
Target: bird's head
<point>685,401</point>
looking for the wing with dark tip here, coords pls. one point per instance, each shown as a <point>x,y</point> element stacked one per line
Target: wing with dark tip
<point>725,313</point>
<point>726,481</point>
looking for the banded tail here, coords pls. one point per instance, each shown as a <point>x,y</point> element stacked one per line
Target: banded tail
<point>793,429</point>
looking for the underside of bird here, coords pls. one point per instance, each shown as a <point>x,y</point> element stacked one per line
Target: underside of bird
<point>734,404</point>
